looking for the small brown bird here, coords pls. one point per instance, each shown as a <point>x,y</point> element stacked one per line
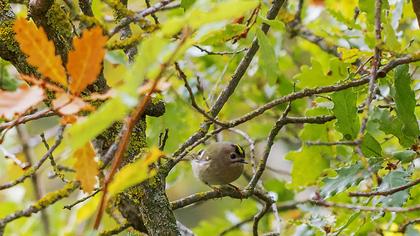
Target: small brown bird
<point>220,163</point>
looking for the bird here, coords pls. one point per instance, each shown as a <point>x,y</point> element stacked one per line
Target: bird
<point>220,163</point>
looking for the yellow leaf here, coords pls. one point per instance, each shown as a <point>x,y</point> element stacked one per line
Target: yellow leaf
<point>86,167</point>
<point>134,173</point>
<point>85,61</point>
<point>41,52</point>
<point>88,209</point>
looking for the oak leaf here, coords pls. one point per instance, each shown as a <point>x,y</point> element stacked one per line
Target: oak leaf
<point>40,51</point>
<point>19,101</point>
<point>86,167</point>
<point>85,61</point>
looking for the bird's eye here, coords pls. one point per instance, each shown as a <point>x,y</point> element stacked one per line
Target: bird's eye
<point>232,156</point>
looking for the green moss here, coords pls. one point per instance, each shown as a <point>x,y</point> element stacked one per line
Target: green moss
<point>7,36</point>
<point>119,9</point>
<point>122,44</point>
<point>52,197</point>
<point>59,21</point>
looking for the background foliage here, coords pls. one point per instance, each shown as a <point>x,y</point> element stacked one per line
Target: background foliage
<point>326,110</point>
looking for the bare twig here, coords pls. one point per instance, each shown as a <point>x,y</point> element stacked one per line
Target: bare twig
<point>33,170</point>
<point>219,53</point>
<point>68,207</point>
<point>56,170</point>
<point>403,227</point>
<point>24,119</point>
<point>258,217</point>
<point>375,68</point>
<point>347,143</point>
<point>137,17</point>
<point>24,137</point>
<point>270,141</point>
<point>385,192</point>
<point>153,14</point>
<point>193,102</point>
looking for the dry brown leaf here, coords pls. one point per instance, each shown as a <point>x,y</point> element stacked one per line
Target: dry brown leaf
<point>85,61</point>
<point>41,52</point>
<point>19,101</point>
<point>67,104</point>
<point>86,167</point>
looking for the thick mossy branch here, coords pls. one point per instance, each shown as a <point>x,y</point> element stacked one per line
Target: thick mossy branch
<point>9,48</point>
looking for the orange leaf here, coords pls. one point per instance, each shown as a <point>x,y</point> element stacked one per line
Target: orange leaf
<point>85,60</point>
<point>19,101</point>
<point>86,167</point>
<point>67,104</point>
<point>41,52</point>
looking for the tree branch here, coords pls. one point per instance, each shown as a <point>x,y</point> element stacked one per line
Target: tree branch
<point>385,192</point>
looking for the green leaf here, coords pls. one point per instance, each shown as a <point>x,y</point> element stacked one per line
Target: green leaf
<point>276,24</point>
<point>87,129</point>
<point>405,156</point>
<point>370,146</point>
<point>314,76</point>
<point>196,17</point>
<point>405,103</point>
<point>391,40</point>
<point>134,173</point>
<point>219,37</point>
<point>394,179</point>
<point>267,58</point>
<point>345,109</point>
<point>308,164</point>
<point>391,125</point>
<point>187,3</point>
<point>7,83</point>
<point>279,187</point>
<point>346,177</point>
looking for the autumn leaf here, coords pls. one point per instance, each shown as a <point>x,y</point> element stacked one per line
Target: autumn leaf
<point>67,104</point>
<point>85,61</point>
<point>40,51</point>
<point>135,173</point>
<point>86,167</point>
<point>19,101</point>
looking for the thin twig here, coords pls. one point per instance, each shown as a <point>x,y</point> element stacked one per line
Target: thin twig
<point>27,151</point>
<point>24,119</point>
<point>219,53</point>
<point>33,170</point>
<point>69,206</point>
<point>270,141</point>
<point>140,15</point>
<point>57,172</point>
<point>115,231</point>
<point>193,102</point>
<point>258,217</point>
<point>385,192</point>
<point>375,68</point>
<point>347,143</point>
<point>403,227</point>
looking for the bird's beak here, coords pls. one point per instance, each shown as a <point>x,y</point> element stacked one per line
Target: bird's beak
<point>241,161</point>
